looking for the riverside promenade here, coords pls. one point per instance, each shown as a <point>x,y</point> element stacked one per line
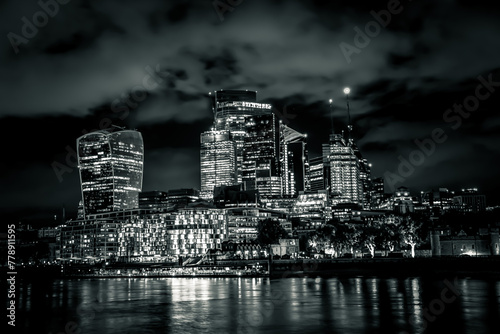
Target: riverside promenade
<point>402,267</point>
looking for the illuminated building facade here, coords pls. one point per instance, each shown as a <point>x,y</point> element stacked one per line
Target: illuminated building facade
<point>153,199</point>
<point>312,206</point>
<point>469,200</point>
<point>217,161</point>
<point>283,204</point>
<point>144,235</point>
<point>317,174</point>
<point>377,192</point>
<point>196,230</point>
<point>266,184</point>
<point>243,222</point>
<point>364,177</point>
<point>232,110</point>
<point>344,171</point>
<point>111,169</point>
<point>402,201</point>
<point>439,201</point>
<point>259,164</point>
<point>294,161</point>
<point>233,196</point>
<point>89,240</point>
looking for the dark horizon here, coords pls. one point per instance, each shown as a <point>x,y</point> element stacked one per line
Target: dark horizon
<point>149,66</point>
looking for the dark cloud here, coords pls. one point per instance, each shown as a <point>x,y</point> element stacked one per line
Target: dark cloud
<point>93,54</point>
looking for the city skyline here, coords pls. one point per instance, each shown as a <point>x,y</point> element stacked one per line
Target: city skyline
<point>397,95</point>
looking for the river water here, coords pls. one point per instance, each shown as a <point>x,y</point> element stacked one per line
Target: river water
<point>259,305</point>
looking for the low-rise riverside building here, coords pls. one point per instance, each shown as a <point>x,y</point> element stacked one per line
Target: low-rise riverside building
<point>144,235</point>
<point>157,235</point>
<point>465,245</point>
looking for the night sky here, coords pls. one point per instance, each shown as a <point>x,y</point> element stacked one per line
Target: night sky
<point>148,65</point>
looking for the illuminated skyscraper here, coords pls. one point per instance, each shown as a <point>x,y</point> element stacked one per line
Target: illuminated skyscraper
<point>111,169</point>
<point>293,161</point>
<point>269,155</point>
<point>232,109</point>
<point>259,155</point>
<point>217,161</point>
<point>364,175</point>
<point>377,192</point>
<point>317,176</point>
<point>344,171</point>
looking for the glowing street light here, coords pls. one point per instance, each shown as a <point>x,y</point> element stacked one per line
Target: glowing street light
<point>330,100</point>
<point>347,90</point>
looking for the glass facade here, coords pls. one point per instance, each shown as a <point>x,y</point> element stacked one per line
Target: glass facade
<point>344,168</point>
<point>144,235</point>
<point>270,157</point>
<point>316,174</point>
<point>111,169</point>
<point>89,240</point>
<point>294,164</point>
<point>312,206</point>
<point>217,162</point>
<point>233,110</point>
<point>259,154</point>
<point>242,222</point>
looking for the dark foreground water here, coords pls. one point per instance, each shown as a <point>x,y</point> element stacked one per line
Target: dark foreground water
<point>260,305</point>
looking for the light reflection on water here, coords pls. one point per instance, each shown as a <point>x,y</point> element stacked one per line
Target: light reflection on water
<point>260,305</point>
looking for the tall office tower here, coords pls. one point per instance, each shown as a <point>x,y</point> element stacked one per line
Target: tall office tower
<point>364,168</point>
<point>317,176</point>
<point>217,161</point>
<point>267,183</point>
<point>111,168</point>
<point>260,154</point>
<point>364,175</point>
<point>294,161</point>
<point>377,192</point>
<point>344,167</point>
<point>232,109</point>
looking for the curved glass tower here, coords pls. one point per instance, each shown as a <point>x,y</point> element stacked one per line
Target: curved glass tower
<point>111,169</point>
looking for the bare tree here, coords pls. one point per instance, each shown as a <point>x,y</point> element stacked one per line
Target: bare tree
<point>409,231</point>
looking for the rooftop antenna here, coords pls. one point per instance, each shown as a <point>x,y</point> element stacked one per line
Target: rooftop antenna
<point>347,90</point>
<point>331,114</point>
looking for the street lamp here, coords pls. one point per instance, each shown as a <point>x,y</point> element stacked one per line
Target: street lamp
<point>347,90</point>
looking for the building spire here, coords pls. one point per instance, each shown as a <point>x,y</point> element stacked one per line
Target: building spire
<point>331,115</point>
<point>347,90</point>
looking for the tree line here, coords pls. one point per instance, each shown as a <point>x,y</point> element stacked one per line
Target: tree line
<point>335,238</point>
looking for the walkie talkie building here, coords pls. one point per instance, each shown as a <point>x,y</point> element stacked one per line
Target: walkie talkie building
<point>111,170</point>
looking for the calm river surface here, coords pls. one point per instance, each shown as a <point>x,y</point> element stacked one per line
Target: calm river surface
<point>259,305</point>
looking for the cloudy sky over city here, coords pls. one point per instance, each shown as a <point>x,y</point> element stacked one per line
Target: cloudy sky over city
<point>149,65</point>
